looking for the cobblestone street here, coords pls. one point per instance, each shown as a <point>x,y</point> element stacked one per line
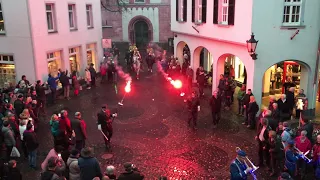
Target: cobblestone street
<point>151,131</point>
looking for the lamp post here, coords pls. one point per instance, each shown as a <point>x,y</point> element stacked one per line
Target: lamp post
<point>251,46</point>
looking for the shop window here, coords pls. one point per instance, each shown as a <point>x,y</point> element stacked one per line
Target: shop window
<point>54,63</point>
<point>7,71</point>
<point>91,56</point>
<point>74,59</point>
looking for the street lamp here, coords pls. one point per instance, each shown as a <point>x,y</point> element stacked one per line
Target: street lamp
<point>251,46</point>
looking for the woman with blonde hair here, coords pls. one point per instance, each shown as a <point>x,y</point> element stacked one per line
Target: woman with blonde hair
<point>54,123</point>
<point>23,121</point>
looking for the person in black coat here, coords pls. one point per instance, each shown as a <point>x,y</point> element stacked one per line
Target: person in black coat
<point>215,103</point>
<point>245,101</point>
<point>262,137</point>
<point>93,74</point>
<point>31,141</point>
<point>253,109</point>
<point>105,124</point>
<point>41,96</point>
<point>18,105</point>
<point>64,79</point>
<point>275,113</point>
<point>193,105</point>
<point>150,61</point>
<point>14,172</point>
<point>284,108</point>
<point>89,165</point>
<point>131,173</point>
<point>201,79</point>
<point>307,126</point>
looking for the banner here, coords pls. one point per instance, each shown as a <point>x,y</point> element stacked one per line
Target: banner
<point>106,43</point>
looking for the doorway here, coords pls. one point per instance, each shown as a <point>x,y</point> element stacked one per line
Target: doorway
<point>141,34</point>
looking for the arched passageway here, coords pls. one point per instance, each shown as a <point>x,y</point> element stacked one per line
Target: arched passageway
<point>202,58</point>
<point>280,77</point>
<point>182,52</point>
<point>230,65</point>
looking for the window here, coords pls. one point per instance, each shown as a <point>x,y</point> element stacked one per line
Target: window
<point>50,18</point>
<point>89,16</point>
<point>199,11</point>
<point>181,10</point>
<point>2,30</point>
<point>224,12</point>
<point>292,12</point>
<point>139,1</point>
<point>225,6</point>
<point>72,16</point>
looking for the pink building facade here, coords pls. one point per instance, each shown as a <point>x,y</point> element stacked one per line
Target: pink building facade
<point>142,22</point>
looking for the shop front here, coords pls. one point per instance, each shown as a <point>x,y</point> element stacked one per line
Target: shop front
<point>91,55</point>
<point>7,71</point>
<point>74,59</point>
<point>54,63</point>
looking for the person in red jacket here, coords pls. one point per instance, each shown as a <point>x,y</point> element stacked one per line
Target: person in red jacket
<point>65,123</point>
<point>316,150</point>
<point>304,145</point>
<point>103,72</point>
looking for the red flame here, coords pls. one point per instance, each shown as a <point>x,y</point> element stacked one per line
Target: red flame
<point>177,84</point>
<point>127,89</point>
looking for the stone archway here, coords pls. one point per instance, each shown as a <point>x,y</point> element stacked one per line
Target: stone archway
<point>141,22</point>
<point>275,76</point>
<point>182,47</point>
<point>231,65</point>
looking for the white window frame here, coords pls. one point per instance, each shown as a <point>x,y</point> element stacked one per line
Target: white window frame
<point>1,12</point>
<point>52,11</point>
<point>199,11</point>
<point>72,12</point>
<point>291,4</point>
<point>53,58</point>
<point>180,9</point>
<point>139,1</point>
<point>6,62</point>
<point>75,51</point>
<point>89,15</point>
<point>224,12</point>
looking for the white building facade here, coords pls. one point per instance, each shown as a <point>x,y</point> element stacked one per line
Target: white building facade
<point>38,38</point>
<point>216,33</point>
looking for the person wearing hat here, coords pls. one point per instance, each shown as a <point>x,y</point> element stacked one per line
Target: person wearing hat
<point>238,168</point>
<point>131,173</point>
<point>105,124</point>
<point>193,105</point>
<point>291,158</point>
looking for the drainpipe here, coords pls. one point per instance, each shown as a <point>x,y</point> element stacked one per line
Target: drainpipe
<point>315,82</point>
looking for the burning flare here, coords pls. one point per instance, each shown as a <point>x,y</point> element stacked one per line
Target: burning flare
<point>127,89</point>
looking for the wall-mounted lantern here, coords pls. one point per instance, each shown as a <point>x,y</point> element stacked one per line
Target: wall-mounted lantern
<point>251,46</point>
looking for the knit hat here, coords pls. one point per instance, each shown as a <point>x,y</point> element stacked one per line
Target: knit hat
<point>241,153</point>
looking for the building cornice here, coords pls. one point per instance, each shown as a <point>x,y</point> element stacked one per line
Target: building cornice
<point>211,38</point>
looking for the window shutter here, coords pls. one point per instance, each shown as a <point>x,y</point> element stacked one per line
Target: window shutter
<point>193,10</point>
<point>204,11</point>
<point>185,10</point>
<point>215,11</point>
<point>177,10</point>
<point>231,12</point>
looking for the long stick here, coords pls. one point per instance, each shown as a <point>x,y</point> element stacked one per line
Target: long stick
<point>104,135</point>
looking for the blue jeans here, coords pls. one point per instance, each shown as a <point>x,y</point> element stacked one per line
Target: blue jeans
<point>32,158</point>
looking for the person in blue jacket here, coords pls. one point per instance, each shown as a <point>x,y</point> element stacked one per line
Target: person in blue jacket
<point>238,168</point>
<point>52,82</point>
<point>291,158</point>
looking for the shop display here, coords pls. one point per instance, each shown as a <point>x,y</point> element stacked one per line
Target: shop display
<point>7,74</point>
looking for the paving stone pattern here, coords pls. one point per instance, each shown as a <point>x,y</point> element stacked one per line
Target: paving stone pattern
<point>151,131</point>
